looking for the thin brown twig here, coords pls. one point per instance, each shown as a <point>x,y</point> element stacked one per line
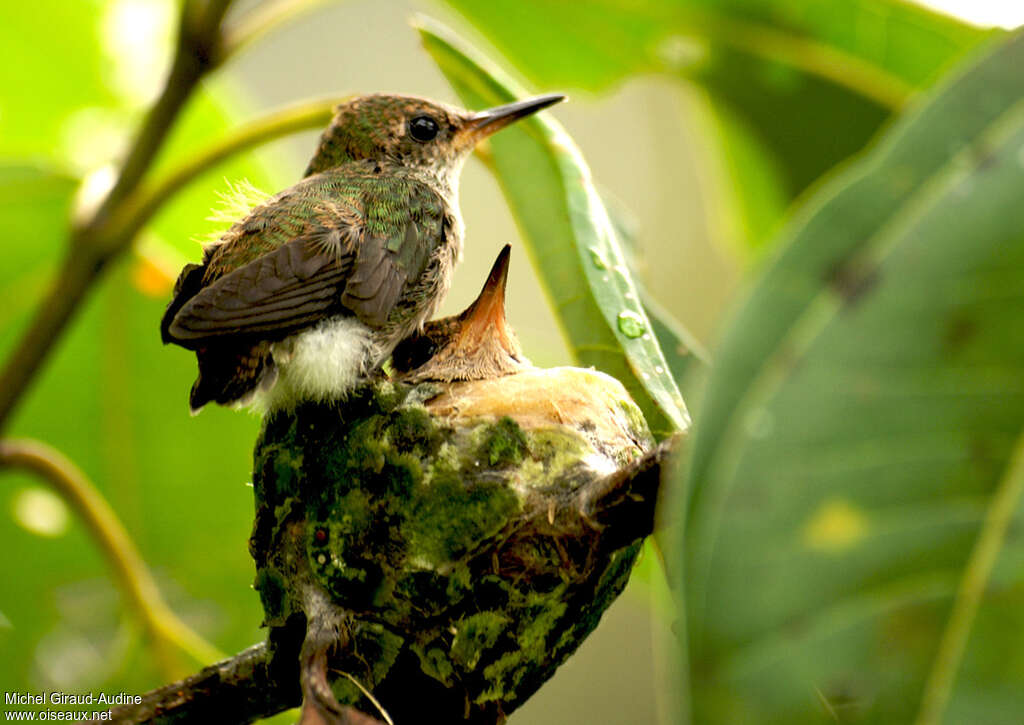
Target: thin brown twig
<point>133,576</point>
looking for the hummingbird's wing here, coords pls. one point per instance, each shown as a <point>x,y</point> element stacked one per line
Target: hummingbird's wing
<point>283,290</point>
<point>335,260</point>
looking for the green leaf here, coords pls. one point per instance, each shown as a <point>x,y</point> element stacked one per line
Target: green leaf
<point>864,406</point>
<point>792,88</point>
<point>681,349</point>
<point>570,237</point>
<point>684,352</point>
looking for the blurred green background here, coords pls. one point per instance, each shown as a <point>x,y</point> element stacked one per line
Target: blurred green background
<point>702,123</point>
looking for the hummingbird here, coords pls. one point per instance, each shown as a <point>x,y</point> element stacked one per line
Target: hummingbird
<point>310,292</point>
<point>477,344</point>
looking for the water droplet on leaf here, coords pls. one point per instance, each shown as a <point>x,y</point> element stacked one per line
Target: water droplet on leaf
<point>631,324</point>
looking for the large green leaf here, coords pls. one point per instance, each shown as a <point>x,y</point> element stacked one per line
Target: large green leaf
<point>793,87</point>
<point>855,431</point>
<point>570,237</point>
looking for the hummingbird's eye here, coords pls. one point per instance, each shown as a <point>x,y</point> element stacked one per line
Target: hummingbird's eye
<point>423,128</point>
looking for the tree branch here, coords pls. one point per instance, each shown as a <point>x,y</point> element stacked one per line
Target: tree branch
<point>135,580</point>
<point>252,684</point>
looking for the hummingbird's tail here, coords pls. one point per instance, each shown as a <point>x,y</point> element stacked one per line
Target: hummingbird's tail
<point>231,375</point>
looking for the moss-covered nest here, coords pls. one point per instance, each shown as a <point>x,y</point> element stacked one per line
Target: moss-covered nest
<point>434,526</point>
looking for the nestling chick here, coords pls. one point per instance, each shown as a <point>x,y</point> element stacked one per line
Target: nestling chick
<point>476,344</point>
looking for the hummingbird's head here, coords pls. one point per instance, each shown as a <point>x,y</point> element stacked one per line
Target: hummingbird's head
<point>413,131</point>
<point>477,344</point>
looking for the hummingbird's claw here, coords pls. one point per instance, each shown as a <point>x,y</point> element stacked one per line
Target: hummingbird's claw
<point>319,705</point>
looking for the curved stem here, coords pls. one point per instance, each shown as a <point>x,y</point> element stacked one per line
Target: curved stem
<point>134,578</point>
<point>939,686</point>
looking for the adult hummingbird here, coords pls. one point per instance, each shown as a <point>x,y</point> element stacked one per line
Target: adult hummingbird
<point>312,289</point>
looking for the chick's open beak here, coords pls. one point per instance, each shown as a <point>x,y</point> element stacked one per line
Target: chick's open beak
<point>481,125</point>
<point>488,310</point>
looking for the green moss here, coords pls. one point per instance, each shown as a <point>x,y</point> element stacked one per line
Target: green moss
<point>285,510</point>
<point>555,457</point>
<point>435,663</point>
<point>350,517</point>
<point>377,646</point>
<point>346,691</point>
<point>558,448</point>
<point>460,581</point>
<point>452,516</point>
<point>504,444</point>
<point>287,465</point>
<point>638,428</point>
<point>273,593</point>
<point>387,396</point>
<point>475,634</point>
<point>412,430</point>
<point>364,452</point>
<point>538,622</point>
<point>400,475</point>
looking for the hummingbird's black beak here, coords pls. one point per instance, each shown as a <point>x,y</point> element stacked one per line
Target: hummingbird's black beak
<point>483,124</point>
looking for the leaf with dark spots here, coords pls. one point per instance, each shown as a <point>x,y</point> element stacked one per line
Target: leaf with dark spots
<point>960,330</point>
<point>868,491</point>
<point>852,280</point>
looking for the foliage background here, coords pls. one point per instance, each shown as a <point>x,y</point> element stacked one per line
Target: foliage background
<point>700,161</point>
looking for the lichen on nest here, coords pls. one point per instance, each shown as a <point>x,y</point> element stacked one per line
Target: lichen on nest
<point>426,516</point>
